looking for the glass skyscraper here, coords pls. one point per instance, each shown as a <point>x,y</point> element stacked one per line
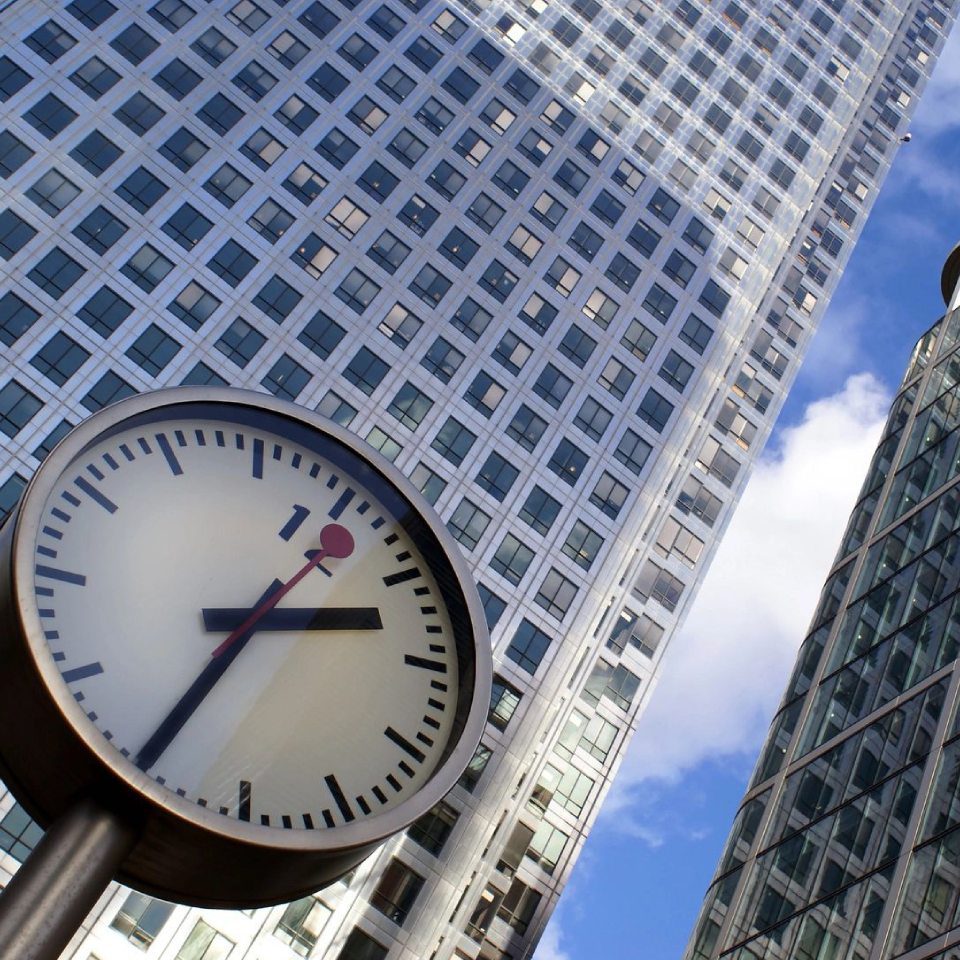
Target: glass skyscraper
<point>558,261</point>
<point>847,843</point>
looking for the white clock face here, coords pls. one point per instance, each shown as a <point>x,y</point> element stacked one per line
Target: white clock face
<point>250,617</point>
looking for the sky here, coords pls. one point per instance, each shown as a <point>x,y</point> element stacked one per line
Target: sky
<point>640,880</point>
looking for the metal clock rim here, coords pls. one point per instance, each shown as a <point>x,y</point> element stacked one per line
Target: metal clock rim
<point>363,832</point>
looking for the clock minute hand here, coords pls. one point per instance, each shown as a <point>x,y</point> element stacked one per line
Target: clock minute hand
<point>226,619</point>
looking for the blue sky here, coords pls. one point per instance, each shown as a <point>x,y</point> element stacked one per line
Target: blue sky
<point>640,880</point>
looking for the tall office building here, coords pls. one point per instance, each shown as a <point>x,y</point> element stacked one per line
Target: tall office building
<point>847,842</point>
<point>557,261</point>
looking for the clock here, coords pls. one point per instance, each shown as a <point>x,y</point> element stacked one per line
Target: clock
<point>239,628</point>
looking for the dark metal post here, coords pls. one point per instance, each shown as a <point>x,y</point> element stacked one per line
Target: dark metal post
<point>58,884</point>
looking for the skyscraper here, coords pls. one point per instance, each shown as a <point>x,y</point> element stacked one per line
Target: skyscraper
<point>846,842</point>
<point>558,262</point>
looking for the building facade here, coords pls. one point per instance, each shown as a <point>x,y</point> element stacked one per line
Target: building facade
<point>846,844</point>
<point>558,262</point>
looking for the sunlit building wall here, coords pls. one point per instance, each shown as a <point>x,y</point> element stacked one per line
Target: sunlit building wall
<point>847,842</point>
<point>557,261</point>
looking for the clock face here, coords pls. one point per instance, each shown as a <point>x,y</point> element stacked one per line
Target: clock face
<point>251,616</point>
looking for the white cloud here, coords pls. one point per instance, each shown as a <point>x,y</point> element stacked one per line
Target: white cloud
<point>725,672</point>
<point>549,947</point>
<point>939,109</point>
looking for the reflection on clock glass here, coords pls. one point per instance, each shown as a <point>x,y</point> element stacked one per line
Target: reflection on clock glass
<point>248,615</point>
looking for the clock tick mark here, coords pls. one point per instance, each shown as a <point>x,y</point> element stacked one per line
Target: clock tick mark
<point>59,657</point>
<point>180,438</point>
<point>172,462</point>
<point>286,821</point>
<point>240,440</point>
<point>110,462</point>
<point>95,495</point>
<point>379,794</point>
<point>47,552</point>
<point>426,611</point>
<point>144,446</point>
<point>406,768</point>
<point>404,555</point>
<point>420,591</point>
<point>220,438</point>
<point>390,539</point>
<point>225,811</point>
<point>402,576</point>
<point>394,783</point>
<point>378,523</point>
<point>338,798</point>
<point>60,515</point>
<point>181,792</point>
<point>436,704</point>
<point>343,500</point>
<point>438,666</point>
<point>363,805</point>
<point>363,507</point>
<point>430,722</point>
<point>244,800</point>
<point>201,439</point>
<point>332,481</point>
<point>264,820</point>
<point>277,451</point>
<point>92,716</point>
<point>82,673</point>
<point>94,472</point>
<point>201,801</point>
<point>52,635</point>
<point>64,576</point>
<point>328,818</point>
<point>53,532</point>
<point>405,745</point>
<point>315,470</point>
<point>300,513</point>
<point>127,452</point>
<point>70,498</point>
<point>296,460</point>
<point>44,591</point>
<point>307,821</point>
<point>79,697</point>
<point>425,740</point>
<point>438,685</point>
<point>257,459</point>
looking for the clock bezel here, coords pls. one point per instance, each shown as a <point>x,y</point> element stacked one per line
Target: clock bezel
<point>187,852</point>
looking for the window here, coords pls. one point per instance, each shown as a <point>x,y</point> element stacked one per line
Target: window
<point>485,394</point>
<point>534,147</point>
<point>255,80</point>
<point>552,385</point>
<point>571,178</point>
<point>385,22</point>
<point>695,498</point>
<point>302,923</point>
<point>108,389</point>
<point>396,892</point>
<point>616,378</point>
<point>16,318</point>
<point>172,14</point>
<point>14,153</point>
<point>240,342</point>
<point>446,180</point>
<point>424,54</point>
<point>592,418</point>
<point>232,263</point>
<point>523,245</point>
<point>595,736</point>
<point>430,285</point>
<point>213,46</point>
<point>485,213</point>
<point>262,148</point>
<point>556,593</point>
<point>714,298</point>
<point>616,683</point>
<point>676,371</point>
<point>227,185</point>
<point>453,441</point>
<point>585,241</point>
<point>526,428</point>
<point>695,333</point>
<point>568,461</point>
<point>504,700</point>
<point>100,230</point>
<point>17,406</point>
<point>528,646</point>
<point>141,918</point>
<point>658,303</point>
<point>18,833</point>
<point>676,540</point>
<point>410,405</point>
<point>50,115</point>
<point>510,178</point>
<point>336,408</point>
<point>183,149</point>
<point>547,209</point>
<point>15,234</point>
<point>400,325</point>
<point>562,277</point>
<point>357,52</point>
<point>322,335</point>
<point>177,79</point>
<point>187,226</point>
<point>512,352</point>
<point>434,115</point>
<point>471,319</point>
<point>359,946</point>
<point>577,345</point>
<point>141,189</point>
<point>95,78</point>
<point>418,215</point>
<point>248,16</point>
<point>56,273</point>
<point>139,113</point>
<point>51,41</point>
<point>378,181</point>
<point>632,451</point>
<point>59,358</point>
<point>365,370</point>
<point>287,48</point>
<point>497,476</point>
<point>493,606</point>
<point>434,827</point>
<point>95,153</point>
<point>271,220</point>
<point>220,114</point>
<point>337,147</point>
<point>105,311</point>
<point>277,299</point>
<point>12,78</point>
<point>153,350</point>
<point>459,248</point>
<point>540,510</point>
<point>460,85</point>
<point>657,584</point>
<point>655,410</point>
<point>430,484</point>
<point>388,251</point>
<point>407,148</point>
<point>286,378</point>
<point>304,183</point>
<point>478,763</point>
<point>467,523</point>
<point>200,375</point>
<point>193,305</point>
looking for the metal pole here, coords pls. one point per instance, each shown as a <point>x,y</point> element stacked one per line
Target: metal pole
<point>58,884</point>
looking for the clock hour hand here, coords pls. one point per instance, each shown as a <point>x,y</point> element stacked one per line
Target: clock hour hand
<point>225,619</point>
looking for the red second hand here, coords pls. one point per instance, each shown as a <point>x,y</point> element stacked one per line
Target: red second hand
<point>335,541</point>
